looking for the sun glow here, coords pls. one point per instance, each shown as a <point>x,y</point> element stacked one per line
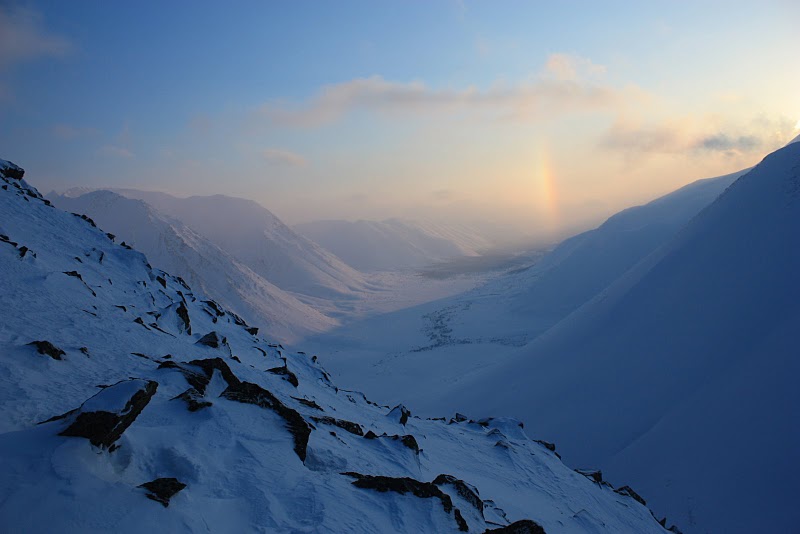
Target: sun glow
<point>546,189</point>
<point>797,126</point>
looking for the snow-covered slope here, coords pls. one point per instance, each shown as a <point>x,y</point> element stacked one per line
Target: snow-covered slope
<point>682,376</point>
<point>458,336</point>
<point>172,246</point>
<point>258,239</point>
<point>164,412</point>
<point>392,244</point>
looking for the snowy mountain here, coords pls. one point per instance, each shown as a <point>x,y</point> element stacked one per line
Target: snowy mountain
<point>392,244</point>
<point>258,239</point>
<point>172,246</point>
<point>132,403</point>
<point>452,338</point>
<point>682,375</point>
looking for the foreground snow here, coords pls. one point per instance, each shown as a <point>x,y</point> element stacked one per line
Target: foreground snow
<point>175,429</point>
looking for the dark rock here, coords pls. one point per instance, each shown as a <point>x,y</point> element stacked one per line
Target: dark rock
<point>183,314</point>
<point>236,359</point>
<point>628,491</point>
<point>469,493</point>
<point>593,474</point>
<point>208,366</point>
<point>84,350</point>
<point>214,306</point>
<point>110,236</point>
<point>125,245</point>
<point>401,413</point>
<point>523,526</point>
<point>353,428</point>
<point>101,427</point>
<point>458,418</point>
<point>249,393</point>
<point>48,349</point>
<point>286,374</point>
<point>546,444</point>
<point>161,280</point>
<point>140,321</point>
<point>407,440</point>
<point>403,485</point>
<point>75,274</point>
<point>198,381</point>
<point>212,339</point>
<point>252,330</point>
<point>193,399</point>
<point>163,489</point>
<point>123,308</point>
<point>310,403</point>
<point>9,170</point>
<point>23,251</point>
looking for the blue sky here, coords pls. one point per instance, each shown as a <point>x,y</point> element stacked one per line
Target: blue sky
<point>542,114</point>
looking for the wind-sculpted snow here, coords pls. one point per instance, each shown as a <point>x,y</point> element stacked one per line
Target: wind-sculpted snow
<point>163,433</point>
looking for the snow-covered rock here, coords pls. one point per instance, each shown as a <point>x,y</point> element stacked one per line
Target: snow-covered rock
<point>221,445</point>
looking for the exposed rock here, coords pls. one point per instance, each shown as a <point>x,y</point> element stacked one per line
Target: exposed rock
<point>592,474</point>
<point>458,418</point>
<point>48,349</point>
<point>407,440</point>
<point>10,170</point>
<point>103,418</point>
<point>198,381</point>
<point>183,314</point>
<point>628,491</point>
<point>310,403</point>
<point>401,413</point>
<point>161,280</point>
<point>523,526</point>
<point>249,393</point>
<point>163,489</point>
<point>285,373</point>
<point>193,399</point>
<point>469,493</point>
<point>208,366</point>
<point>252,330</point>
<point>213,340</point>
<point>214,306</point>
<point>353,428</point>
<point>403,485</point>
<point>549,446</point>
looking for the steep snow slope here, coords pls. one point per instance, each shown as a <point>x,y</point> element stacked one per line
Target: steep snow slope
<point>177,418</point>
<point>458,336</point>
<point>391,244</point>
<point>682,376</point>
<point>257,238</point>
<point>172,246</point>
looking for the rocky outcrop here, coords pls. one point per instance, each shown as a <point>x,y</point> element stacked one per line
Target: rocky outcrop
<point>628,491</point>
<point>162,489</point>
<point>353,428</point>
<point>10,170</point>
<point>194,400</point>
<point>408,440</point>
<point>403,485</point>
<point>48,349</point>
<point>466,491</point>
<point>104,417</point>
<point>213,340</point>
<point>523,526</point>
<point>249,393</point>
<point>400,413</point>
<point>285,373</point>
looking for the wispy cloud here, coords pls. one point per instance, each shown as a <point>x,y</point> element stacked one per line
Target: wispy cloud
<point>693,135</point>
<point>280,156</point>
<point>23,37</point>
<point>566,84</point>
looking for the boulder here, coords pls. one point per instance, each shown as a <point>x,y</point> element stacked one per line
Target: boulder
<point>48,349</point>
<point>163,489</point>
<point>523,526</point>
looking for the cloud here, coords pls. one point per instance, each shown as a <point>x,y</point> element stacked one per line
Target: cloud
<point>444,195</point>
<point>723,142</point>
<point>118,151</point>
<point>559,89</point>
<point>697,135</point>
<point>24,38</point>
<point>280,156</point>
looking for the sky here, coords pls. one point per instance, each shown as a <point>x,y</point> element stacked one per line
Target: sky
<point>544,116</point>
